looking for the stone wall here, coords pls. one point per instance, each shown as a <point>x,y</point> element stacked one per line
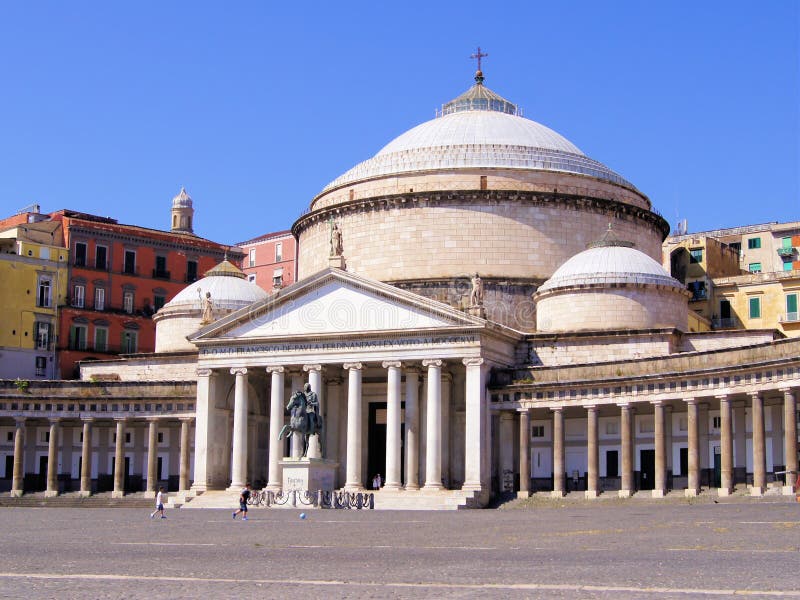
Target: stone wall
<point>606,308</point>
<point>501,236</point>
<point>470,179</point>
<point>178,366</point>
<point>572,350</point>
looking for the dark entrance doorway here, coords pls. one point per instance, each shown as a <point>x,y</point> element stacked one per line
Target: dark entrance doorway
<point>612,463</point>
<point>717,468</point>
<point>41,480</point>
<point>9,467</point>
<point>647,460</point>
<point>376,457</point>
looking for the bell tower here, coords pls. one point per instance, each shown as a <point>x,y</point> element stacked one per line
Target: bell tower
<point>182,213</point>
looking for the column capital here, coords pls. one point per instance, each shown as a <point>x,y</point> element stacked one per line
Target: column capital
<point>54,420</point>
<point>186,420</point>
<point>277,369</point>
<point>122,420</point>
<point>203,372</point>
<point>787,391</point>
<point>524,410</point>
<point>354,366</point>
<point>657,402</point>
<point>433,362</point>
<point>470,362</point>
<point>755,395</point>
<point>392,364</point>
<point>88,419</point>
<point>152,419</point>
<point>628,405</point>
<point>557,409</point>
<point>591,407</point>
<point>723,397</point>
<point>308,368</point>
<point>690,401</point>
<point>239,371</point>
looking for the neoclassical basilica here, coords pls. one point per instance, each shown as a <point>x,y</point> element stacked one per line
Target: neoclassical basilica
<point>480,308</point>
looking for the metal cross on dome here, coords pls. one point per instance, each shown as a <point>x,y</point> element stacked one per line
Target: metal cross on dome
<point>478,55</point>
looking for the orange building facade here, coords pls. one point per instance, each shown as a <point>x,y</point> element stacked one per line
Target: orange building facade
<point>119,276</point>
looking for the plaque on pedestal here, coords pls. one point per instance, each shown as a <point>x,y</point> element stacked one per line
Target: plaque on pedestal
<point>312,474</point>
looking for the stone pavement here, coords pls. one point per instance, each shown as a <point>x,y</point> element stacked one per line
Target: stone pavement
<point>553,549</point>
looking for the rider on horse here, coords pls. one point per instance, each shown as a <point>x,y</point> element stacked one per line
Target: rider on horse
<point>312,408</point>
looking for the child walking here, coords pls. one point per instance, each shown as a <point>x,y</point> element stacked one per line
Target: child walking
<point>159,504</point>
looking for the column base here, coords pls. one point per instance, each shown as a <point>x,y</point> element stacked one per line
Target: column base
<point>50,493</point>
<point>523,494</point>
<point>411,487</point>
<point>787,490</point>
<point>392,486</point>
<point>757,491</point>
<point>691,492</point>
<point>149,494</point>
<point>591,494</point>
<point>117,494</point>
<point>16,493</point>
<point>624,493</point>
<point>357,487</point>
<point>84,494</point>
<point>435,487</point>
<point>658,494</point>
<point>235,488</point>
<point>724,492</point>
<point>557,494</point>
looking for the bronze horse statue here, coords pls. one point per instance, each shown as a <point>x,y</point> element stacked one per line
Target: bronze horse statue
<point>304,418</point>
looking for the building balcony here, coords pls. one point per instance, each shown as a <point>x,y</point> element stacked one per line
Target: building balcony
<point>160,274</point>
<point>785,252</point>
<point>727,323</point>
<point>792,317</point>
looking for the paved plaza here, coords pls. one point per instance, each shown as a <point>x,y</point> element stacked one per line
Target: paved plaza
<point>550,549</point>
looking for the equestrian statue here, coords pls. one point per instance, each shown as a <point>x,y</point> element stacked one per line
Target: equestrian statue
<point>304,417</point>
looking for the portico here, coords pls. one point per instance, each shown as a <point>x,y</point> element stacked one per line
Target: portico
<point>401,382</point>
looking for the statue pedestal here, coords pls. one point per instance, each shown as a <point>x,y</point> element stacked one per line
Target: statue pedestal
<point>477,311</point>
<point>336,262</point>
<point>310,474</point>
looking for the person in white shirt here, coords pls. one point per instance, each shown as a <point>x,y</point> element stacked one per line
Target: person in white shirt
<point>159,504</point>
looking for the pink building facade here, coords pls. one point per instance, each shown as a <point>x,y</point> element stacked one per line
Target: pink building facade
<point>270,260</point>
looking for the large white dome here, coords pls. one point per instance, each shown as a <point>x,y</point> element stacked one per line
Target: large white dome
<point>229,291</point>
<point>479,129</point>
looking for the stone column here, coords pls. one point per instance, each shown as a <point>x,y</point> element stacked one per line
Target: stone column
<point>759,450</point>
<point>86,458</point>
<point>661,455</point>
<point>626,450</point>
<point>477,451</point>
<point>433,428</point>
<point>119,461</point>
<point>183,476</point>
<point>725,446</point>
<point>693,454</point>
<point>559,488</point>
<point>412,429</point>
<point>333,412</point>
<point>296,443</point>
<point>524,453</point>
<point>18,476</point>
<point>240,401</point>
<point>52,460</point>
<point>393,426</point>
<point>152,457</point>
<point>353,478</point>
<point>203,431</point>
<point>592,452</point>
<point>276,404</point>
<point>315,446</point>
<point>790,439</point>
<point>505,441</point>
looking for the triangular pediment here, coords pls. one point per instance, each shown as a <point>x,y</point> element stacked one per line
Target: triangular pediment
<point>334,302</point>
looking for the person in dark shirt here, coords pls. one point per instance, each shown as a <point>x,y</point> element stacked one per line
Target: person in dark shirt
<point>243,498</point>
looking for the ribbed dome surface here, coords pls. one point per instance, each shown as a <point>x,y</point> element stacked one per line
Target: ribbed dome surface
<point>478,139</point>
<point>608,265</point>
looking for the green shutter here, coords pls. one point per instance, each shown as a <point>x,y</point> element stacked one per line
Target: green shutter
<point>787,243</point>
<point>791,303</point>
<point>755,308</point>
<point>72,335</point>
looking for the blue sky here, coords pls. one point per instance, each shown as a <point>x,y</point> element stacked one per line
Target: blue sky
<point>254,106</point>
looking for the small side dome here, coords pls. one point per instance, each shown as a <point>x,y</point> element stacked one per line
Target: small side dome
<point>611,286</point>
<point>221,291</point>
